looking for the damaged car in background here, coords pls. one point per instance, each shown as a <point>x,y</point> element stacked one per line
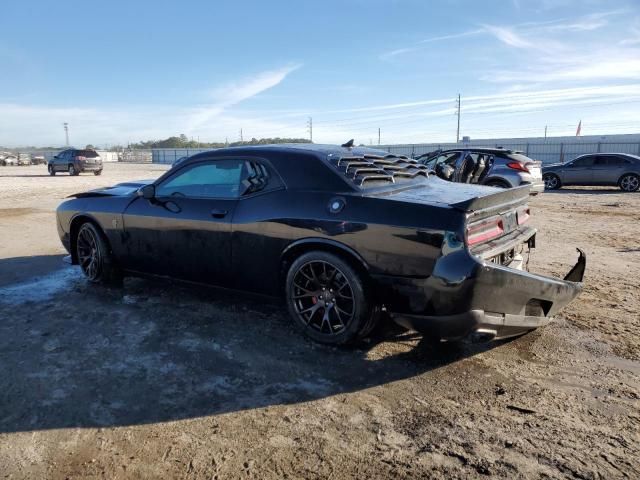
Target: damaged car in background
<point>347,236</point>
<point>494,167</point>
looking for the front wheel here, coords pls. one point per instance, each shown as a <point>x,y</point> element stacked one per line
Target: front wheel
<point>328,299</point>
<point>51,171</point>
<point>629,182</point>
<point>97,172</point>
<point>94,256</point>
<point>551,181</point>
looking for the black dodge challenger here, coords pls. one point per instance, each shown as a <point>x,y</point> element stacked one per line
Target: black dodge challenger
<point>347,235</point>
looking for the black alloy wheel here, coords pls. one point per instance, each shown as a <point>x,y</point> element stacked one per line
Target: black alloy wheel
<point>327,299</point>
<point>90,255</point>
<point>323,297</point>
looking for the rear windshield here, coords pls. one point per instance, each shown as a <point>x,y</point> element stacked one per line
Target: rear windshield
<point>87,153</point>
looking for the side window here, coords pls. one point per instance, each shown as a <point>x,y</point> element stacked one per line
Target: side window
<point>602,160</point>
<point>583,162</point>
<point>215,179</point>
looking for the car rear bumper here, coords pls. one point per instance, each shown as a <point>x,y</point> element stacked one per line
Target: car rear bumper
<point>537,186</point>
<point>90,167</point>
<point>487,299</point>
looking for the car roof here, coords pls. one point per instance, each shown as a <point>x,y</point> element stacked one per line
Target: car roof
<point>483,150</point>
<point>353,165</point>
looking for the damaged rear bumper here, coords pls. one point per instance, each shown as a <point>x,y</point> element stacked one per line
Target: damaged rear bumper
<point>491,301</point>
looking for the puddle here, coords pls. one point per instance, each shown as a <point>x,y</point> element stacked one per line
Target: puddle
<point>40,288</point>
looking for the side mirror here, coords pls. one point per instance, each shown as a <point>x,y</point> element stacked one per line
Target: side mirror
<point>147,192</point>
<point>55,157</point>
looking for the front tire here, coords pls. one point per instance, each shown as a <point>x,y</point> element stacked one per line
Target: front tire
<point>328,299</point>
<point>551,181</point>
<point>97,172</point>
<point>94,256</point>
<point>629,182</point>
<point>52,172</point>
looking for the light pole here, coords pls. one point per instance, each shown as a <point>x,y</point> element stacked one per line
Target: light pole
<point>66,133</point>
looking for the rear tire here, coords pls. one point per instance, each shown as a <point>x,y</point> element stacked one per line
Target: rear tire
<point>95,257</point>
<point>551,181</point>
<point>51,171</point>
<point>72,171</point>
<point>629,182</point>
<point>328,300</point>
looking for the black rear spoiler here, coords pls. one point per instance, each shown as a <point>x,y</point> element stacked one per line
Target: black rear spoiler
<point>505,197</point>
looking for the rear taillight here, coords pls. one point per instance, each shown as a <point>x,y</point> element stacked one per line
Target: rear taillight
<point>518,166</point>
<point>484,230</point>
<point>80,157</point>
<point>523,214</point>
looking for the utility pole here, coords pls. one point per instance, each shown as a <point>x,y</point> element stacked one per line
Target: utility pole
<point>545,132</point>
<point>66,133</point>
<point>458,114</point>
<point>378,135</point>
<point>241,139</point>
<point>310,128</point>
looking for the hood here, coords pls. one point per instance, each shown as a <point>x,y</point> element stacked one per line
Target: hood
<point>551,166</point>
<point>460,196</point>
<point>120,190</point>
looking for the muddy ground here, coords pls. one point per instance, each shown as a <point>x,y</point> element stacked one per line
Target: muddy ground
<point>160,380</point>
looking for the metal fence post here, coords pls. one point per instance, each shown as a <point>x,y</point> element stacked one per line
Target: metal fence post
<point>561,152</point>
<point>527,149</point>
<point>599,147</point>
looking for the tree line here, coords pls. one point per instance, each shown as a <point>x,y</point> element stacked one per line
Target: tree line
<point>182,141</point>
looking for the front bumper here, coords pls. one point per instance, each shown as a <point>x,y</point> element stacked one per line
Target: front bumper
<point>488,299</point>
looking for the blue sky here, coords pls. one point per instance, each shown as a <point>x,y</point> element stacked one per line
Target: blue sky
<point>126,71</point>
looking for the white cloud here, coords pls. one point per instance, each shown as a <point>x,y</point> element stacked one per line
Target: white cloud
<point>234,93</point>
<point>507,36</point>
<point>22,124</point>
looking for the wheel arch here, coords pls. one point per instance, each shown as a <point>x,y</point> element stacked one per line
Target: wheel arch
<point>305,245</point>
<point>630,172</point>
<point>496,179</point>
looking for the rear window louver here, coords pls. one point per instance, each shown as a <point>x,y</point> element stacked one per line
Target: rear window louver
<point>370,170</point>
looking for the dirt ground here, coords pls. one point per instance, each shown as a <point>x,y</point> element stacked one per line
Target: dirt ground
<point>164,381</point>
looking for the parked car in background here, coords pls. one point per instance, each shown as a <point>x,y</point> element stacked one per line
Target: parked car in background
<point>38,160</point>
<point>605,169</point>
<point>75,161</point>
<point>24,159</point>
<point>495,167</point>
<point>8,158</point>
<point>344,234</point>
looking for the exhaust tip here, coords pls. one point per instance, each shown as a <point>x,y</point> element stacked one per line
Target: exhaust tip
<point>483,335</point>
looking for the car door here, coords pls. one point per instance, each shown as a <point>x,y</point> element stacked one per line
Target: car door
<point>579,172</point>
<point>185,230</point>
<point>60,160</point>
<point>603,170</point>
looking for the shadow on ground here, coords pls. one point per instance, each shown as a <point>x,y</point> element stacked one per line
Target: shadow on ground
<point>81,355</point>
<point>588,191</point>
